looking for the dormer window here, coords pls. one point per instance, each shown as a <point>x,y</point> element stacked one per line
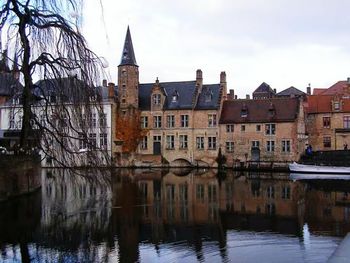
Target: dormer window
<point>244,111</point>
<point>272,110</point>
<point>175,97</point>
<point>208,96</point>
<point>156,99</point>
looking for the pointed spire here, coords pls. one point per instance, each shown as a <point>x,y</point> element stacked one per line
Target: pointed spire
<point>128,55</point>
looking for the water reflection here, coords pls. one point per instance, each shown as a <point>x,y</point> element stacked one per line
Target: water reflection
<point>159,215</point>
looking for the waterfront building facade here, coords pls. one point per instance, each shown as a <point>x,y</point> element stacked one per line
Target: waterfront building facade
<point>328,117</point>
<point>262,130</point>
<point>181,118</point>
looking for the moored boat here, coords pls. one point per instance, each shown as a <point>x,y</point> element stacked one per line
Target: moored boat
<point>318,176</point>
<point>318,169</point>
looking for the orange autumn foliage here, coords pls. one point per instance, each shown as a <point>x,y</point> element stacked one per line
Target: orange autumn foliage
<point>129,131</point>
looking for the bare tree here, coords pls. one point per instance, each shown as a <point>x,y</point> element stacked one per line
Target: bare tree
<point>61,111</point>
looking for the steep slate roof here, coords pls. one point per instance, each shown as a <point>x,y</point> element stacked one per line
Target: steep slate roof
<point>264,87</point>
<point>128,56</point>
<point>323,104</point>
<point>291,91</point>
<point>8,84</point>
<point>185,89</point>
<point>212,91</point>
<point>63,87</point>
<point>286,110</point>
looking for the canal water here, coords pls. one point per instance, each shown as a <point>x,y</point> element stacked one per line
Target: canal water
<point>174,216</point>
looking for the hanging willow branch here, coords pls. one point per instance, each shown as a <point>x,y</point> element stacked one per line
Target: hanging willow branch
<point>63,110</point>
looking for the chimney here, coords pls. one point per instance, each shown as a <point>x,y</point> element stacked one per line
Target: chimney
<point>247,97</point>
<point>308,89</point>
<point>111,93</point>
<point>104,83</point>
<point>274,91</point>
<point>236,97</point>
<point>199,79</point>
<point>348,80</point>
<point>223,84</point>
<point>231,95</point>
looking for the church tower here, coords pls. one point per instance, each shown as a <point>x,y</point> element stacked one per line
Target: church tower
<point>128,76</point>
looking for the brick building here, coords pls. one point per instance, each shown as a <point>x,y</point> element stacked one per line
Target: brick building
<point>181,117</point>
<point>328,117</point>
<point>263,129</point>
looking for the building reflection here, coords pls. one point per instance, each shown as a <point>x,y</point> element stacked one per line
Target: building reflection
<point>328,207</point>
<point>116,211</point>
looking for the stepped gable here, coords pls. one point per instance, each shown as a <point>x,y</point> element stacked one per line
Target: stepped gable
<point>209,98</point>
<point>186,91</point>
<point>290,92</point>
<point>285,110</point>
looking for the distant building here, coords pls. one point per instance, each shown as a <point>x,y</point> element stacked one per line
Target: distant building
<point>291,92</point>
<point>264,91</point>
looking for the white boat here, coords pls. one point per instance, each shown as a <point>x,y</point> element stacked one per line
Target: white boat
<point>319,176</point>
<point>318,169</point>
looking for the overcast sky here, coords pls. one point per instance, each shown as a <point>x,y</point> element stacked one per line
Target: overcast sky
<point>281,42</point>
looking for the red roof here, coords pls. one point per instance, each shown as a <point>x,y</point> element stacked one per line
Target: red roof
<point>318,91</point>
<point>323,104</point>
<point>286,110</point>
<point>341,87</point>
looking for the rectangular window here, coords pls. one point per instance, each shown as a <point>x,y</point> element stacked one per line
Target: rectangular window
<point>92,120</point>
<point>270,146</point>
<point>183,192</point>
<point>270,129</point>
<point>170,142</point>
<point>242,128</point>
<point>157,138</point>
<point>92,141</point>
<point>12,120</point>
<point>336,105</point>
<point>211,143</point>
<point>103,140</point>
<point>211,193</point>
<point>270,191</point>
<point>229,128</point>
<point>183,141</point>
<point>229,146</point>
<point>200,192</point>
<point>346,121</point>
<point>286,146</point>
<point>286,192</point>
<point>258,127</point>
<point>82,142</point>
<point>157,121</point>
<point>326,122</point>
<point>212,120</point>
<point>144,122</point>
<point>156,99</point>
<point>255,144</point>
<point>184,120</point>
<point>170,121</point>
<point>144,143</point>
<point>327,142</point>
<point>103,119</point>
<point>200,143</point>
